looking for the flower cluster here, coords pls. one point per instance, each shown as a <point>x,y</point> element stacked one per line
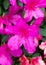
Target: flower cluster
<point>23,31</point>
<point>33,61</point>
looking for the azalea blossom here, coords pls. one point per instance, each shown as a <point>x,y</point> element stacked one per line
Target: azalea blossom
<point>10,23</point>
<point>10,29</point>
<point>5,58</point>
<point>33,61</point>
<point>37,61</point>
<point>26,35</point>
<point>32,8</point>
<point>5,54</point>
<point>23,60</point>
<point>9,20</point>
<point>42,46</point>
<point>11,17</point>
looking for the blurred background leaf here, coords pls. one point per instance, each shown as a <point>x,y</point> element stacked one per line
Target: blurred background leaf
<point>4,38</point>
<point>6,4</point>
<point>43,32</point>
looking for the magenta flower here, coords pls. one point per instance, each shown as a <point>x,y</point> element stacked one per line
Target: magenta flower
<point>26,35</point>
<point>9,20</point>
<point>5,58</point>
<point>10,29</point>
<point>32,8</point>
<point>5,55</point>
<point>11,17</point>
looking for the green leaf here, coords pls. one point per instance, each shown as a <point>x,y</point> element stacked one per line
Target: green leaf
<point>1,11</point>
<point>43,9</point>
<point>36,54</point>
<point>44,38</point>
<point>6,4</point>
<point>4,39</point>
<point>20,4</point>
<point>43,32</point>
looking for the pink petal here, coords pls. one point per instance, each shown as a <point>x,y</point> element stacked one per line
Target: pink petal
<point>15,19</point>
<point>16,53</point>
<point>5,58</point>
<point>13,2</point>
<point>29,45</point>
<point>41,62</point>
<point>37,13</point>
<point>32,32</point>
<point>38,21</point>
<point>23,60</point>
<point>15,42</point>
<point>10,29</point>
<point>42,3</point>
<point>45,53</point>
<point>28,15</point>
<point>43,45</point>
<point>13,10</point>
<point>37,61</point>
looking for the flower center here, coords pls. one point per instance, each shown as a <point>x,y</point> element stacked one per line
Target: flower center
<point>23,32</point>
<point>31,6</point>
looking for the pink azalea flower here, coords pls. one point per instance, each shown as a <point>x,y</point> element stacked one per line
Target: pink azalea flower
<point>13,10</point>
<point>15,19</point>
<point>5,58</point>
<point>32,8</point>
<point>33,61</point>
<point>23,60</point>
<point>11,16</point>
<point>9,20</point>
<point>37,61</point>
<point>10,29</point>
<point>5,55</point>
<point>43,47</point>
<point>26,35</point>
